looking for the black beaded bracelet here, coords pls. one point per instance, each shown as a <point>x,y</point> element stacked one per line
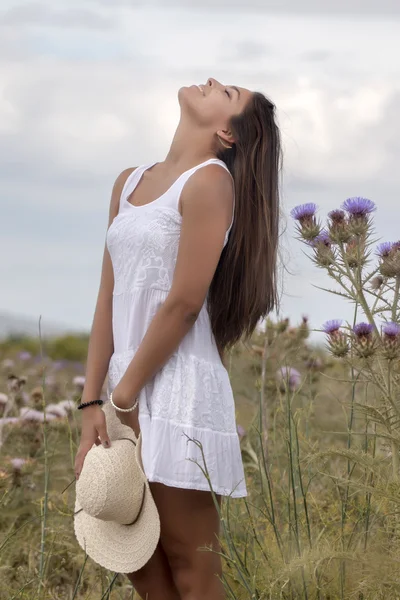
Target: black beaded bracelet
<point>84,404</point>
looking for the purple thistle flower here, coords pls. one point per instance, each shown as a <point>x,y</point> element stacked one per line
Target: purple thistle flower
<point>337,216</point>
<point>290,374</point>
<point>241,431</point>
<point>384,249</point>
<point>391,330</point>
<point>321,238</point>
<point>358,207</point>
<point>303,211</point>
<point>18,463</point>
<point>332,326</point>
<point>363,329</point>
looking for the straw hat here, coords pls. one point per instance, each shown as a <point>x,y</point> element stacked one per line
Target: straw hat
<point>116,520</point>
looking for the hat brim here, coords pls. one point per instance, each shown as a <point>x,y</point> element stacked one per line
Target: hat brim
<point>120,548</point>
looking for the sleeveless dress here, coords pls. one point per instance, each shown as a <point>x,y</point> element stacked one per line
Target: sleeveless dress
<point>190,397</point>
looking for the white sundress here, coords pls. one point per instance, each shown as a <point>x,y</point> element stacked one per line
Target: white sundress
<point>190,397</point>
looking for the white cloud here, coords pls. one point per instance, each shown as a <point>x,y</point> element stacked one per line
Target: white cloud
<point>82,102</point>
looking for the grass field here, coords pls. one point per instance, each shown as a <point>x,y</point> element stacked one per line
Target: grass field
<point>321,519</point>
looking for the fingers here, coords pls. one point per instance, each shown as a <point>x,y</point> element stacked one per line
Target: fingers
<point>80,458</point>
<point>103,435</point>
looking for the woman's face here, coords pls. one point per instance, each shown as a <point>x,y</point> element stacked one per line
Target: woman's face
<point>213,104</point>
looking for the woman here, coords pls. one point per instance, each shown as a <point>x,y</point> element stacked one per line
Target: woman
<point>189,269</point>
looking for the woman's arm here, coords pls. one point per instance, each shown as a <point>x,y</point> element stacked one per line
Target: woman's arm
<point>94,427</point>
<point>101,344</point>
<point>207,204</point>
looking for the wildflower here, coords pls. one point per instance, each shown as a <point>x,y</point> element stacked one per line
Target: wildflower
<point>25,355</point>
<point>337,340</point>
<point>338,226</point>
<point>314,363</point>
<point>304,212</point>
<point>391,340</point>
<point>56,409</point>
<point>355,252</point>
<point>30,414</point>
<point>12,383</point>
<point>79,382</point>
<point>337,216</point>
<point>308,227</point>
<point>59,364</point>
<point>322,238</point>
<point>376,283</point>
<point>322,244</point>
<point>3,398</point>
<point>358,207</point>
<point>389,252</point>
<point>363,342</point>
<point>384,249</point>
<point>17,463</point>
<point>303,330</point>
<point>332,326</point>
<point>241,432</point>
<point>363,329</point>
<point>68,405</point>
<point>282,325</point>
<point>290,376</point>
<point>8,420</point>
<point>358,210</point>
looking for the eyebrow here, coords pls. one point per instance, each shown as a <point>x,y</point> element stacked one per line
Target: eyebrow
<point>235,88</point>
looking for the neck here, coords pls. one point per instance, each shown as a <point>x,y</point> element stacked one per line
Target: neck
<point>190,146</point>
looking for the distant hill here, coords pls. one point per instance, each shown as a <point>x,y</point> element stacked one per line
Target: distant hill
<point>13,324</point>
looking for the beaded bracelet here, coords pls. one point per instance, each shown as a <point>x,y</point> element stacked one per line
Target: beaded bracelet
<point>124,409</point>
<point>84,404</point>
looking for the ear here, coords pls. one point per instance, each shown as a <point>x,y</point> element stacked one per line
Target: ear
<point>226,135</point>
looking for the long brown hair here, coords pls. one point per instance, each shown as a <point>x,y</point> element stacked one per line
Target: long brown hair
<point>244,286</point>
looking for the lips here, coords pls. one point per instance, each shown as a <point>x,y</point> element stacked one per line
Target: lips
<point>201,89</point>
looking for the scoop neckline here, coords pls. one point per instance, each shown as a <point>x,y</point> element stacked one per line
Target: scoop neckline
<point>146,167</point>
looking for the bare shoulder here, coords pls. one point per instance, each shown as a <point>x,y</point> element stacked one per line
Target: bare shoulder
<point>209,185</point>
<point>122,177</point>
<point>117,190</point>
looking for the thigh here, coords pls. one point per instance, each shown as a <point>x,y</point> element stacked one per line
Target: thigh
<point>154,581</point>
<point>190,523</point>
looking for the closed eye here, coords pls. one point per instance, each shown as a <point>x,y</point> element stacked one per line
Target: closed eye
<point>226,91</point>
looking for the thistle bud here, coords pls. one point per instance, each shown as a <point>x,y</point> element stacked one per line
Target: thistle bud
<point>282,325</point>
<point>338,226</point>
<point>324,254</point>
<point>355,252</point>
<point>363,342</point>
<point>376,283</point>
<point>390,254</point>
<point>308,227</point>
<point>358,210</point>
<point>337,340</point>
<point>391,341</point>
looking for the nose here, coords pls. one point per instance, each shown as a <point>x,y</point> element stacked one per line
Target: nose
<point>211,82</point>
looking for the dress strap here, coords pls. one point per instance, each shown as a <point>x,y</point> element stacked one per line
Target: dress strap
<point>131,182</point>
<point>223,165</point>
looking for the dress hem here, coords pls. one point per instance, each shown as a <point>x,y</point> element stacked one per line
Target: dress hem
<point>195,486</point>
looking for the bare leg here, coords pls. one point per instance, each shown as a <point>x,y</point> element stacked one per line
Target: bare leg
<point>154,580</point>
<point>189,521</point>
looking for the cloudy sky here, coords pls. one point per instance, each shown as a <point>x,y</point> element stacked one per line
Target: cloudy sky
<point>89,88</point>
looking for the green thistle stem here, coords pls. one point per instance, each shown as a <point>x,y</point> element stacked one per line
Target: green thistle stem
<point>396,299</point>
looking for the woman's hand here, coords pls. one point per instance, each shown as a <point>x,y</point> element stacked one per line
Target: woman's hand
<point>94,431</point>
<point>127,418</point>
